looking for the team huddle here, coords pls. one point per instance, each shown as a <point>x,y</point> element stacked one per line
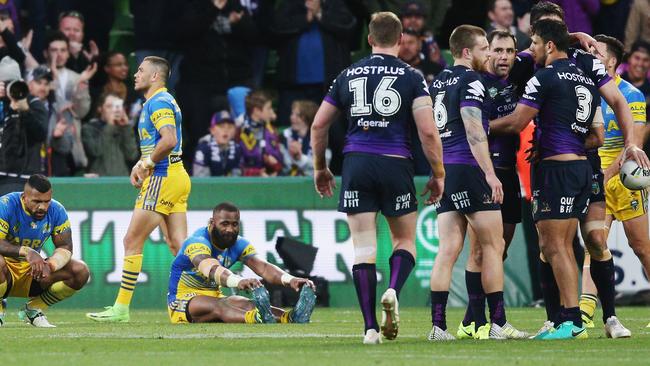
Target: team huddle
<point>588,121</point>
<point>570,94</point>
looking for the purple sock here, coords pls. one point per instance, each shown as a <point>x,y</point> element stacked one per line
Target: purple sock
<point>497,308</point>
<point>438,308</point>
<point>570,315</point>
<point>602,273</point>
<point>365,281</point>
<point>550,291</point>
<point>476,305</point>
<point>401,265</point>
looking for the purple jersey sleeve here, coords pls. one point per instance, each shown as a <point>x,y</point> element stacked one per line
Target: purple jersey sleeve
<point>534,92</point>
<point>333,95</point>
<point>472,91</point>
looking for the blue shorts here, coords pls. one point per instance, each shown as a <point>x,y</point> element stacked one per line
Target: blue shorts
<point>372,183</point>
<point>561,189</point>
<point>466,190</point>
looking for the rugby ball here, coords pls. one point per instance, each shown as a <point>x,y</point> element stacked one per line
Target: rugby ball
<point>633,176</point>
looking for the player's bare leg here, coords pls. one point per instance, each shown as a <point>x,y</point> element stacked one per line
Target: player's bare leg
<point>402,261</point>
<point>364,239</point>
<point>142,223</point>
<point>231,309</point>
<point>174,229</point>
<point>57,287</point>
<point>451,229</point>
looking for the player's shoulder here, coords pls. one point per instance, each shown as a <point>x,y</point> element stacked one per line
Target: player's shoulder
<point>10,200</point>
<point>161,99</point>
<point>200,237</point>
<point>629,90</point>
<point>56,207</point>
<point>241,243</point>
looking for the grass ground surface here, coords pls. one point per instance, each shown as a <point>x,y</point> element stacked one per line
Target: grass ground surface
<point>333,338</point>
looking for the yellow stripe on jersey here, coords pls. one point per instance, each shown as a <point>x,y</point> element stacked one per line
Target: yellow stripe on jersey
<point>250,250</point>
<point>196,249</point>
<point>163,117</point>
<point>638,111</point>
<point>61,228</point>
<point>4,228</point>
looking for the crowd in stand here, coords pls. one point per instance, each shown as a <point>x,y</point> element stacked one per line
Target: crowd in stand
<point>248,74</point>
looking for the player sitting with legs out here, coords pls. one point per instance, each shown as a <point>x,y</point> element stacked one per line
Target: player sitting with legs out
<point>383,99</point>
<point>27,220</point>
<point>201,267</point>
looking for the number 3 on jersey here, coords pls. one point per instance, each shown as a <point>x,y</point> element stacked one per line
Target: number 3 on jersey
<point>584,104</point>
<point>386,100</point>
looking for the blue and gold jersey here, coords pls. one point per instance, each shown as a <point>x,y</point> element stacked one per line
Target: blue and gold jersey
<point>157,112</point>
<point>614,142</point>
<point>184,277</point>
<point>21,229</point>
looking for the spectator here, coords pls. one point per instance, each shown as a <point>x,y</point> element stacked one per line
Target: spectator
<point>313,48</point>
<point>112,75</point>
<point>72,103</point>
<point>578,14</point>
<point>295,140</point>
<point>501,18</point>
<point>638,23</point>
<point>8,43</point>
<point>260,144</point>
<point>38,81</point>
<point>218,36</point>
<point>71,23</point>
<point>409,52</point>
<point>109,140</point>
<point>638,66</point>
<point>154,35</point>
<point>217,153</point>
<point>23,132</point>
<point>413,17</point>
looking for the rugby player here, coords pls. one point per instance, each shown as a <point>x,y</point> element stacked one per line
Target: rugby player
<point>382,98</point>
<point>592,226</point>
<point>629,207</point>
<point>163,182</point>
<point>27,220</point>
<point>473,193</point>
<point>500,100</point>
<point>563,97</point>
<point>201,267</point>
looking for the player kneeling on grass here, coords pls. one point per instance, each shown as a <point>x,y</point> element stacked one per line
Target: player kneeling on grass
<point>201,267</point>
<point>27,220</point>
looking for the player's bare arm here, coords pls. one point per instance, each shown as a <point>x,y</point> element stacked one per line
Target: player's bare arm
<point>515,122</point>
<point>39,267</point>
<point>211,268</point>
<point>596,136</point>
<point>431,145</point>
<point>164,147</point>
<point>323,177</point>
<point>478,143</point>
<point>62,251</point>
<point>274,275</point>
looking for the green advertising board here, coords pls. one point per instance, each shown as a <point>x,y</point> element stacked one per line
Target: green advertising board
<point>100,210</point>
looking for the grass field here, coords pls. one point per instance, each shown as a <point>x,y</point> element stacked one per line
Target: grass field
<point>333,338</point>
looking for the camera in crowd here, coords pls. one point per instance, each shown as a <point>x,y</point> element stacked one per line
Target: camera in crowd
<point>16,89</point>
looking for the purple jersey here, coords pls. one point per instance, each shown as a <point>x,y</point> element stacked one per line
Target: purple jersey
<point>524,68</point>
<point>377,95</point>
<point>566,99</point>
<point>453,89</point>
<point>500,100</point>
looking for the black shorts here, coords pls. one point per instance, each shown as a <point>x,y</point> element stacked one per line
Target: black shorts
<point>561,189</point>
<point>597,179</point>
<point>511,206</point>
<point>466,190</point>
<point>372,183</point>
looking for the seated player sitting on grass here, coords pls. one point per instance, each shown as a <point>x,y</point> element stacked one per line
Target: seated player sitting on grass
<point>201,266</point>
<point>27,220</point>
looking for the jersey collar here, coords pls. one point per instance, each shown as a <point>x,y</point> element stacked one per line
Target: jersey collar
<point>159,90</point>
<point>22,204</point>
